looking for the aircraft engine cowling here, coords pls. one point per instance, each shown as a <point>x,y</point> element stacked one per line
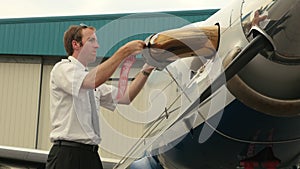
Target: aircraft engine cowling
<point>270,83</point>
<point>165,47</point>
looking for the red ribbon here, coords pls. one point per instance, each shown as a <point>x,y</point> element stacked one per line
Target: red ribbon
<point>123,81</point>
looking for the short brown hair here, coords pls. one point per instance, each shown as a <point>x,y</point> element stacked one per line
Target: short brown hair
<point>74,32</point>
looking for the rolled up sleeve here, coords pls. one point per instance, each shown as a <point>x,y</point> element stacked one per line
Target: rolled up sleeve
<point>106,95</point>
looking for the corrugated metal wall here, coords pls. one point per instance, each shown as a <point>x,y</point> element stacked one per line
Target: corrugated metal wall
<point>43,36</point>
<point>19,99</point>
<point>44,116</point>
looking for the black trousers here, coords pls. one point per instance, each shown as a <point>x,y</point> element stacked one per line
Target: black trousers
<point>71,155</point>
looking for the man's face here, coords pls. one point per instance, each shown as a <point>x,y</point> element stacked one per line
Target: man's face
<point>89,46</point>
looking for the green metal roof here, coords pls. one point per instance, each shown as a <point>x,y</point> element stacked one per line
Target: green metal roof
<point>43,36</point>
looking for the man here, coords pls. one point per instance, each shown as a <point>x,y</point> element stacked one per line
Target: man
<point>75,127</point>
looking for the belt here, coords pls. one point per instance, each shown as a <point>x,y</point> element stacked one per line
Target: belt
<point>93,148</point>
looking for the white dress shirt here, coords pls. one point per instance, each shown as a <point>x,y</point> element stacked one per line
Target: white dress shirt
<point>70,106</point>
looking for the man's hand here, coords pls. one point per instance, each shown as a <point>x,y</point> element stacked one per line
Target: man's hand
<point>258,18</point>
<point>148,68</point>
<point>133,47</point>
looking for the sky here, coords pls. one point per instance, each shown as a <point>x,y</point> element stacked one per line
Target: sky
<point>42,8</point>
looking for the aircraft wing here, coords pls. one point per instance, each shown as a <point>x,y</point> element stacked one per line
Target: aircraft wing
<point>22,157</point>
<point>18,157</point>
